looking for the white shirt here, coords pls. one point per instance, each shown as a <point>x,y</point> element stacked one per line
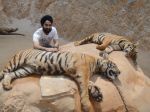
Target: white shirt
<point>43,39</point>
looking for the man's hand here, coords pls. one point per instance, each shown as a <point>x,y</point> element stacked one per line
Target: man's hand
<point>52,49</point>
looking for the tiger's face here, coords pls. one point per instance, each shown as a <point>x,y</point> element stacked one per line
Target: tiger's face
<point>129,49</point>
<point>110,70</point>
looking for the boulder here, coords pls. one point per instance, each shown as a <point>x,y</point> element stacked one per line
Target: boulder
<point>130,92</point>
<point>9,31</point>
<point>45,94</point>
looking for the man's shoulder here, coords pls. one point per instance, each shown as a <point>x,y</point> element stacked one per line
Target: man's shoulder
<point>53,28</point>
<point>39,30</point>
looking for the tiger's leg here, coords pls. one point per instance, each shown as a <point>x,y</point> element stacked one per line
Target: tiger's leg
<point>82,78</point>
<point>135,60</point>
<point>21,72</point>
<point>95,92</point>
<point>84,41</point>
<point>133,56</point>
<point>95,96</point>
<point>109,49</point>
<point>103,46</point>
<point>12,65</point>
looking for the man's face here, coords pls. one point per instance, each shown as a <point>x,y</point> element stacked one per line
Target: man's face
<point>47,26</point>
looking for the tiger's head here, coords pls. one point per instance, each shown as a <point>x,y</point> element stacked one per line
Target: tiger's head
<point>109,69</point>
<point>130,49</point>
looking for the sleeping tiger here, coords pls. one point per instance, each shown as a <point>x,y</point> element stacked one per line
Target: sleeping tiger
<point>75,65</point>
<point>108,42</point>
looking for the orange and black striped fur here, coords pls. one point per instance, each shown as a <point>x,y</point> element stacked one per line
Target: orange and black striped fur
<point>75,65</point>
<point>108,42</point>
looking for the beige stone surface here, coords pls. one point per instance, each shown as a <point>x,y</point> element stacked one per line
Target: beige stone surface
<point>60,91</point>
<point>134,87</point>
<point>132,82</point>
<point>63,86</point>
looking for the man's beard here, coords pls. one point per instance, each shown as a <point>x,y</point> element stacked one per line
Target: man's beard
<point>47,30</point>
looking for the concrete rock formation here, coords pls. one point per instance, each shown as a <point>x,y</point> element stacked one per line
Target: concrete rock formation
<point>133,84</point>
<point>9,31</point>
<point>132,90</point>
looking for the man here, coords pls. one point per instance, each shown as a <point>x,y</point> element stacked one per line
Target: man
<point>46,38</point>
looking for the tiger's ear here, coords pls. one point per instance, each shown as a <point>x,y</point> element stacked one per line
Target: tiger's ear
<point>104,55</point>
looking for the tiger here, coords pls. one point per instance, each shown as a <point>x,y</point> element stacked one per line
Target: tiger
<point>108,42</point>
<point>79,67</point>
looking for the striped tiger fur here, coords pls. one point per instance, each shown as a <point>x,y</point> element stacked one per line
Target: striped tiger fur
<point>108,42</point>
<point>75,65</point>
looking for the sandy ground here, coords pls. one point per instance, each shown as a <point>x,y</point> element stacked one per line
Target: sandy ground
<point>11,44</point>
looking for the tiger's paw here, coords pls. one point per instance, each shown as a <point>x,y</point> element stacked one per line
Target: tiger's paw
<point>86,108</point>
<point>7,83</point>
<point>76,43</point>
<point>98,47</point>
<point>7,86</point>
<point>95,93</point>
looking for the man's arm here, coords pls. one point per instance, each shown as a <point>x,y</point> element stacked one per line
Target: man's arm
<point>56,43</point>
<point>55,39</point>
<point>37,46</point>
